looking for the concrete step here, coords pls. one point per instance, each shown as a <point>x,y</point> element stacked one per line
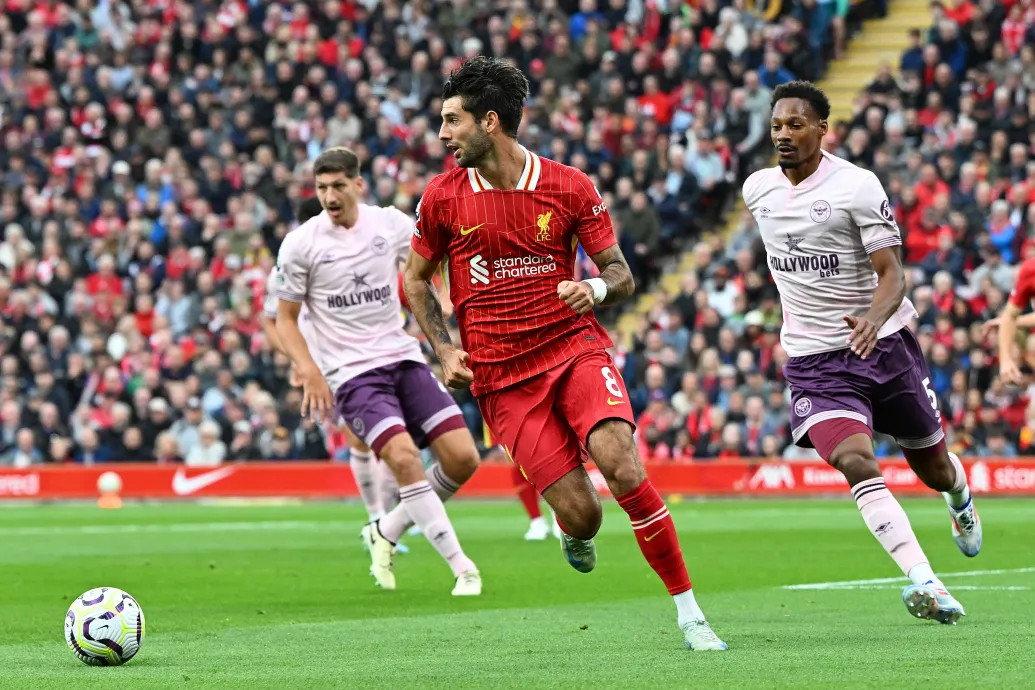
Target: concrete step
<point>889,51</point>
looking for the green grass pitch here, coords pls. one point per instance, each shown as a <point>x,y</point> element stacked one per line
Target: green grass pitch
<point>279,596</point>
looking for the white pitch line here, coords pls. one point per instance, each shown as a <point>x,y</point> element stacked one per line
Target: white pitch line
<point>262,525</point>
<point>854,584</point>
<point>955,588</point>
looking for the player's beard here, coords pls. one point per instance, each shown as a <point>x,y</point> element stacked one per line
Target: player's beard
<point>475,150</point>
<point>788,164</point>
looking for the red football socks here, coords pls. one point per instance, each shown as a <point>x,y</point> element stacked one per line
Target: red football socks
<point>527,494</point>
<point>656,534</point>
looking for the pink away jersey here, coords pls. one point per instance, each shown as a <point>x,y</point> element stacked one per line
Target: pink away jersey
<point>348,278</point>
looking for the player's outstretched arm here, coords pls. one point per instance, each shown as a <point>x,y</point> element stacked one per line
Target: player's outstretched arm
<point>891,289</point>
<point>1025,321</point>
<point>316,394</point>
<point>1009,371</point>
<point>427,309</point>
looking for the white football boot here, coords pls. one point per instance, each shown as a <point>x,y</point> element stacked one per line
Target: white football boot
<point>538,530</point>
<point>933,602</point>
<point>581,555</point>
<point>469,584</point>
<point>700,637</point>
<point>399,548</point>
<point>381,551</point>
<point>966,527</point>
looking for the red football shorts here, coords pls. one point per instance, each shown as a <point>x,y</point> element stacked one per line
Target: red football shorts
<point>544,422</point>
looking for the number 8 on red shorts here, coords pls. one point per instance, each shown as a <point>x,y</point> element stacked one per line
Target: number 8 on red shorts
<point>543,422</point>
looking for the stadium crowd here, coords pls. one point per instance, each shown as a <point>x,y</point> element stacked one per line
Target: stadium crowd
<point>154,154</point>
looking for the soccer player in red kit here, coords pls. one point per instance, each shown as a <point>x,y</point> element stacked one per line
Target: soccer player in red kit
<point>533,353</point>
<point>1020,299</point>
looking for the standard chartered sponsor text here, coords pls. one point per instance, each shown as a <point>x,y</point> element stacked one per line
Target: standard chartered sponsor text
<point>523,266</point>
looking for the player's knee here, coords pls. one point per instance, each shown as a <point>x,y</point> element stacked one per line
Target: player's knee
<point>403,458</point>
<point>582,518</point>
<point>855,464</point>
<point>457,454</point>
<point>613,450</point>
<point>464,465</point>
<point>626,475</point>
<point>576,503</point>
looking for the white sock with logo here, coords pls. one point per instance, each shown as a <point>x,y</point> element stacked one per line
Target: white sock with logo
<point>363,464</point>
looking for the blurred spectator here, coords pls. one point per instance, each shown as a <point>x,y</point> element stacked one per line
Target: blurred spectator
<point>91,450</point>
<point>207,450</point>
<point>280,446</point>
<point>166,449</point>
<point>772,72</point>
<point>997,445</point>
<point>242,446</point>
<point>188,429</point>
<point>24,451</point>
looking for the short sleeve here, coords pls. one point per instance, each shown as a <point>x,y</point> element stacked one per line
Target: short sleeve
<point>269,304</point>
<point>593,228</point>
<point>430,235</point>
<point>751,188</point>
<point>403,230</point>
<point>1024,286</point>
<point>292,269</point>
<point>871,212</point>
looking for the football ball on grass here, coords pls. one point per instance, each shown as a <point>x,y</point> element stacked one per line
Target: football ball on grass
<point>104,627</point>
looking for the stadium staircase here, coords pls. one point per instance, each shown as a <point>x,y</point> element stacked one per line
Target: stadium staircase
<point>880,40</point>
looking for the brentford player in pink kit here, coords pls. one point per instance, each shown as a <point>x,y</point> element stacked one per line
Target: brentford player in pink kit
<point>343,265</point>
<point>377,487</point>
<point>855,367</point>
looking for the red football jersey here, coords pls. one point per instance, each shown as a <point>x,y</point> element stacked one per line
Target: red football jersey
<point>507,251</point>
<point>1024,286</point>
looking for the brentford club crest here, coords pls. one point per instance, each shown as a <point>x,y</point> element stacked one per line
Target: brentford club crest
<point>820,212</point>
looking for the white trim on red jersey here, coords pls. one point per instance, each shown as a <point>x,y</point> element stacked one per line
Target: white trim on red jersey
<point>527,182</point>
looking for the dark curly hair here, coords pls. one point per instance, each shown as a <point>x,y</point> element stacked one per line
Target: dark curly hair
<point>489,84</point>
<point>806,91</point>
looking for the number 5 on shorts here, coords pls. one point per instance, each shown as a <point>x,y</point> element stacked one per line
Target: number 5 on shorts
<point>611,382</point>
<point>932,397</point>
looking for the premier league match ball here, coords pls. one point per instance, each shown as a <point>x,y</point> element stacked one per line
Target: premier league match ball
<point>104,627</point>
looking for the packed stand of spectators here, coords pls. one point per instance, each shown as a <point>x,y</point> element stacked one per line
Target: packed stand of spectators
<point>154,152</point>
<point>950,132</point>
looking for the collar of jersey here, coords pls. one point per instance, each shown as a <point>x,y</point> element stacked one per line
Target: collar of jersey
<point>821,171</point>
<point>526,183</point>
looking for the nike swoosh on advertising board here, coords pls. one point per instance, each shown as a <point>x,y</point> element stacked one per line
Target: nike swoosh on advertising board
<point>183,485</point>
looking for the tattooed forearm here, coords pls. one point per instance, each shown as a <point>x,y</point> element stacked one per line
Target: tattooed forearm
<point>437,331</point>
<point>424,303</point>
<point>615,273</point>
